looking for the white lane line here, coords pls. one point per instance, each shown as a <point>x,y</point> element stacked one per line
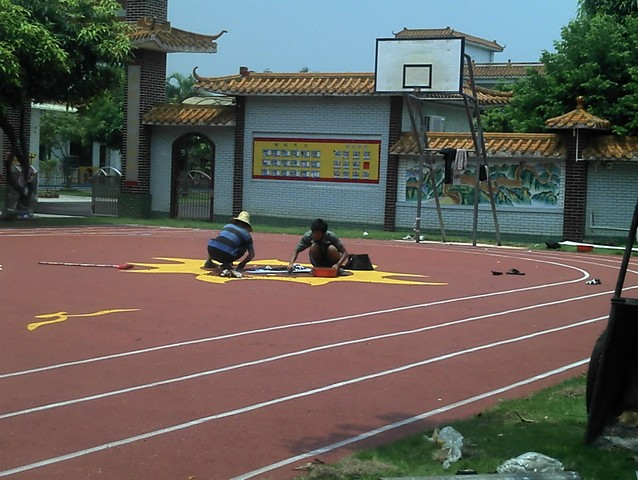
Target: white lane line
<point>282,356</point>
<point>298,325</point>
<point>100,231</point>
<point>408,421</point>
<point>287,398</point>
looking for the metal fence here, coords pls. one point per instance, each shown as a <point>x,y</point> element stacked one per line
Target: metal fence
<point>195,196</point>
<point>106,186</point>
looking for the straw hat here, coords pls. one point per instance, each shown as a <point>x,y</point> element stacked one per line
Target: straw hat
<point>244,217</point>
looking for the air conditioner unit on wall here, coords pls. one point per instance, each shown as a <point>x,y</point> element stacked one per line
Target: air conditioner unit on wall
<point>434,123</point>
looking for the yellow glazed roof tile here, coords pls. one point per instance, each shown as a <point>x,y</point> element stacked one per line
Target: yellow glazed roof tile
<point>181,114</point>
<point>307,84</point>
<point>578,119</point>
<point>496,144</point>
<point>505,70</point>
<point>251,83</point>
<point>612,147</point>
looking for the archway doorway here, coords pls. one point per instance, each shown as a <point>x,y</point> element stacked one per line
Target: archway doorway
<point>192,177</point>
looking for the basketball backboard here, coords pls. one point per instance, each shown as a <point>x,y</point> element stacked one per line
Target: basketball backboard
<point>429,65</point>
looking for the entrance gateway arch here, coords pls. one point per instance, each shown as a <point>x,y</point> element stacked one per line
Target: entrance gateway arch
<point>192,177</point>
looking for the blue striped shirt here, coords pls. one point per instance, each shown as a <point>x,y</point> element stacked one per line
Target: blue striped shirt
<point>232,239</point>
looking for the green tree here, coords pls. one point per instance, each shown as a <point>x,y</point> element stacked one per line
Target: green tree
<point>617,8</point>
<point>103,117</point>
<point>597,57</point>
<point>62,51</point>
<point>57,131</point>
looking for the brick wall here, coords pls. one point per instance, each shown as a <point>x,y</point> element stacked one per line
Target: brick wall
<point>136,9</point>
<point>545,223</point>
<point>318,117</point>
<point>611,198</point>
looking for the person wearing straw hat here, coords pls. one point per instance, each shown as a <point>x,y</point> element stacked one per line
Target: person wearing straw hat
<point>233,243</point>
<point>326,249</point>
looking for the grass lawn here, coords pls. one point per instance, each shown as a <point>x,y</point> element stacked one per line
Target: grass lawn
<point>551,422</point>
<point>297,227</point>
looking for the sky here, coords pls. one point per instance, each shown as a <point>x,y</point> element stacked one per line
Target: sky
<point>340,35</point>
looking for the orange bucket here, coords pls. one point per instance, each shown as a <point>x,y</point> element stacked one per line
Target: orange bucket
<point>324,272</point>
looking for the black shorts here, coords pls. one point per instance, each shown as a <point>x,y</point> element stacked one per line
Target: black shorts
<point>219,256</point>
<point>321,259</point>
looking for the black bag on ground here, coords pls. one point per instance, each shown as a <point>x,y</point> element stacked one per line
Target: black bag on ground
<point>358,261</point>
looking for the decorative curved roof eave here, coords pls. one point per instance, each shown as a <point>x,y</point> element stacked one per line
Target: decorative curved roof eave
<point>578,119</point>
<point>540,145</point>
<point>175,114</point>
<point>149,34</point>
<point>250,83</point>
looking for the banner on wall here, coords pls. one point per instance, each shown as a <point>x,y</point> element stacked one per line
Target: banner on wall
<point>324,160</point>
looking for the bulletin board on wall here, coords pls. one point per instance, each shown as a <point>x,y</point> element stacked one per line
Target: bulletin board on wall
<point>324,160</point>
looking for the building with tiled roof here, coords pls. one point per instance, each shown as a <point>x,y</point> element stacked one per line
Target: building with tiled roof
<point>490,75</point>
<point>447,32</point>
<point>279,144</point>
<point>508,71</point>
<point>535,173</point>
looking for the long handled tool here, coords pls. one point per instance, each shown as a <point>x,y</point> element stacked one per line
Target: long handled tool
<point>122,266</point>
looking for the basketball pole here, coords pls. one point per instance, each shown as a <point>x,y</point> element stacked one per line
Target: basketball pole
<point>432,68</point>
<point>418,129</point>
<point>480,150</point>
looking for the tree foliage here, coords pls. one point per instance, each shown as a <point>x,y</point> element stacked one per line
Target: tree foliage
<point>179,87</point>
<point>57,131</point>
<point>597,57</point>
<point>617,8</point>
<point>103,117</point>
<point>56,51</point>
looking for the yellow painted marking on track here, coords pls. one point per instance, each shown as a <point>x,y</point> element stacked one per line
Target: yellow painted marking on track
<point>194,267</point>
<point>59,317</point>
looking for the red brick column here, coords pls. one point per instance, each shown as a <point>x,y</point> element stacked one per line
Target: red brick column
<point>146,79</point>
<point>238,164</point>
<point>392,171</point>
<point>574,213</point>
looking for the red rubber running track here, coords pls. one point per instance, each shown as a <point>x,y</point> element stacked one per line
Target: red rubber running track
<point>166,372</point>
